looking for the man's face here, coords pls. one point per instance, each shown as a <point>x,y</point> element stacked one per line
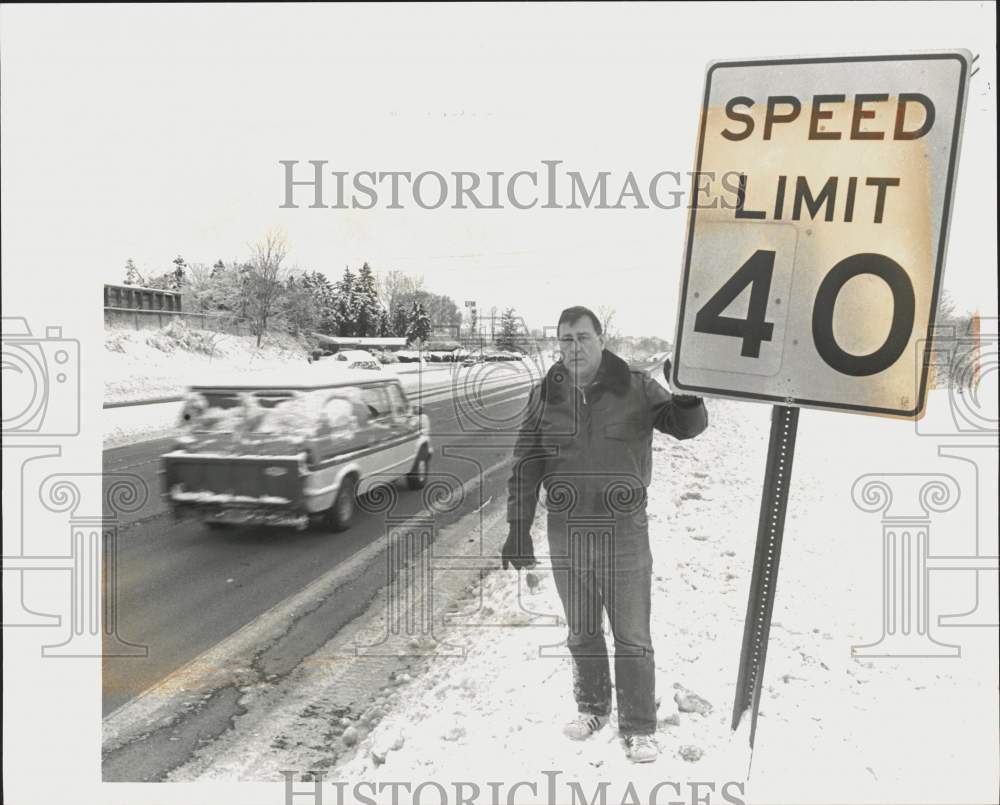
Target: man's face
<point>581,348</point>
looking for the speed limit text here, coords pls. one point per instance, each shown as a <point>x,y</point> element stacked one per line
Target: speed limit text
<point>794,198</point>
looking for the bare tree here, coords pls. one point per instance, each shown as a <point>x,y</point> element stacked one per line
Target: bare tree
<point>266,279</point>
<point>394,286</point>
<point>606,314</point>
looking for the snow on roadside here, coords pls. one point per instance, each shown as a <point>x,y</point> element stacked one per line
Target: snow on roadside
<point>153,363</point>
<point>141,423</point>
<point>832,728</point>
<point>140,364</point>
<point>162,363</point>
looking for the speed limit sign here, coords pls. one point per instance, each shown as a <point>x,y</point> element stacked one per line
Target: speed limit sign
<point>816,239</point>
<point>817,229</point>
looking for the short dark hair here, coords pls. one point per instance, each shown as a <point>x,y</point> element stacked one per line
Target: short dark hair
<point>577,312</point>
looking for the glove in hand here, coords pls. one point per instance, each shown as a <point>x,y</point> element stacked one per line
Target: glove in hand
<point>683,400</point>
<point>518,550</point>
<point>666,370</point>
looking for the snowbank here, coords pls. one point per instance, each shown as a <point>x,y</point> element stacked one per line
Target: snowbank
<point>142,363</point>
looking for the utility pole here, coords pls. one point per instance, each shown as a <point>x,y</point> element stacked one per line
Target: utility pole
<point>470,306</point>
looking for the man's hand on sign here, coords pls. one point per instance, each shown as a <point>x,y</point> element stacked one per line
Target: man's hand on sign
<point>682,400</point>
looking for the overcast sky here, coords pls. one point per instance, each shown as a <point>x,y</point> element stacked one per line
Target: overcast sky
<point>145,132</point>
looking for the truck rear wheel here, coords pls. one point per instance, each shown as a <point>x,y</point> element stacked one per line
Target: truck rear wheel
<point>341,513</point>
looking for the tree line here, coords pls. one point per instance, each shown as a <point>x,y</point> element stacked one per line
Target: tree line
<point>265,292</point>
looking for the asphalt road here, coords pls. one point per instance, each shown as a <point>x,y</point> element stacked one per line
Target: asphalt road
<point>181,587</point>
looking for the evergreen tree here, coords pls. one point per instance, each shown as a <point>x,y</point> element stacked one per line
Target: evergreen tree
<point>399,321</point>
<point>178,275</point>
<point>508,335</point>
<point>343,303</point>
<point>345,306</point>
<point>366,304</point>
<point>132,275</point>
<point>420,325</point>
<point>384,325</point>
<point>324,299</point>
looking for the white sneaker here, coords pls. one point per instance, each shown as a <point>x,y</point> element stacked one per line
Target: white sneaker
<point>641,748</point>
<point>583,726</point>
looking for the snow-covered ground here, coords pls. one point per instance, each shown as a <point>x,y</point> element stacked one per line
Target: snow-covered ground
<point>832,728</point>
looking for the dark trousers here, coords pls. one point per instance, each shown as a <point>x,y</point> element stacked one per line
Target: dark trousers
<point>607,567</point>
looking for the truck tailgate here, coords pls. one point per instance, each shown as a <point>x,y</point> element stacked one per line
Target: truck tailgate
<point>232,480</point>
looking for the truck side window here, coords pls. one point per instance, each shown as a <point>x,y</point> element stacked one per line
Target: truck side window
<point>375,400</point>
<point>396,400</point>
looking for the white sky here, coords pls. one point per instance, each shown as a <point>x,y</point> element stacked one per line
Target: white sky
<point>145,132</point>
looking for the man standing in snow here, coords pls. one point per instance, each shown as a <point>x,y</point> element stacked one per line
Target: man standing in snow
<point>586,438</point>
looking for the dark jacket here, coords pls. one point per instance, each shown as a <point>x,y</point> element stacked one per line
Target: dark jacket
<point>591,448</point>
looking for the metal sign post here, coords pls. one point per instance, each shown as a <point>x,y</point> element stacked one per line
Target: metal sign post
<point>770,529</point>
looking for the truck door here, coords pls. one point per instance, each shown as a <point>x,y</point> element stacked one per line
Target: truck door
<point>381,430</point>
